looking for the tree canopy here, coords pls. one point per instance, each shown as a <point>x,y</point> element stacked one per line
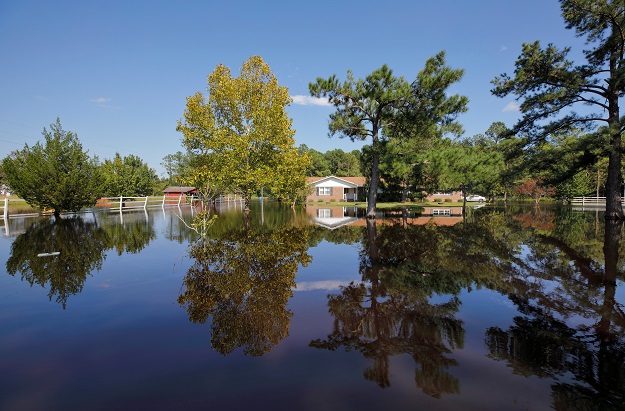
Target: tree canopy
<point>383,106</point>
<point>558,95</point>
<point>241,133</point>
<point>127,176</point>
<point>56,175</point>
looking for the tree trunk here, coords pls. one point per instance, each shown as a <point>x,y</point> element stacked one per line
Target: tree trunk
<point>611,254</point>
<point>613,205</point>
<point>247,199</point>
<point>404,191</point>
<point>373,184</point>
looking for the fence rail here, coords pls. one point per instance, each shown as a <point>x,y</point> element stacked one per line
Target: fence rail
<point>591,201</point>
<point>5,208</point>
<point>128,203</point>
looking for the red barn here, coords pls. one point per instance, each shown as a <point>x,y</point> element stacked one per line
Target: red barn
<point>178,191</point>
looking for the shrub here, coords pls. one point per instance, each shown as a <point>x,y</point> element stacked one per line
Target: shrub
<point>448,200</point>
<point>438,200</point>
<point>333,200</point>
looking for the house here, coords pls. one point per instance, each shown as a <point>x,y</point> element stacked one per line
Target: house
<point>336,188</point>
<point>5,190</point>
<point>178,191</point>
<point>454,196</point>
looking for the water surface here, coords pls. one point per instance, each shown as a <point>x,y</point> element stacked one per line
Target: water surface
<point>517,308</point>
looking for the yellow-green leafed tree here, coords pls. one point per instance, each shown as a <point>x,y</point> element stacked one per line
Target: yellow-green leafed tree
<point>241,131</point>
<point>290,184</point>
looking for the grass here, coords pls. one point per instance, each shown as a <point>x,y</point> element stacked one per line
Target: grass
<point>19,206</point>
<point>360,204</point>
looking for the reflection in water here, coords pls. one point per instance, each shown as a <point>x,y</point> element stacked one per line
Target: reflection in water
<point>243,281</point>
<point>571,327</point>
<point>552,266</point>
<point>391,311</point>
<point>80,246</point>
<point>128,232</point>
<point>564,331</point>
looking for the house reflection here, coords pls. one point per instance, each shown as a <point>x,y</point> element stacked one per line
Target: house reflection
<point>333,217</point>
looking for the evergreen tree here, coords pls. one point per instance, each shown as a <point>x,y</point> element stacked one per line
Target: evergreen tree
<point>56,175</point>
<point>554,87</point>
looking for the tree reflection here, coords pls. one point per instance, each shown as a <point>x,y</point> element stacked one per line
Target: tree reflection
<point>571,322</point>
<point>80,246</point>
<point>128,233</point>
<point>243,281</point>
<point>391,312</point>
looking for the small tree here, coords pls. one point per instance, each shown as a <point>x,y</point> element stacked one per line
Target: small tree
<point>534,188</point>
<point>56,175</point>
<point>128,176</point>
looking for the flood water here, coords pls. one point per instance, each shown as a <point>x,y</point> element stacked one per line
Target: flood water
<point>314,309</point>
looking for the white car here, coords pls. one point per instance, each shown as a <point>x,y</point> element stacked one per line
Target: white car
<point>476,198</point>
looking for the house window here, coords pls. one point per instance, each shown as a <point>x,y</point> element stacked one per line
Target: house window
<point>324,213</point>
<point>324,191</point>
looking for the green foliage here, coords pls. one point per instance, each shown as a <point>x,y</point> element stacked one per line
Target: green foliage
<point>241,134</point>
<point>177,167</point>
<point>334,162</point>
<point>128,176</point>
<point>454,165</point>
<point>560,95</point>
<point>581,184</point>
<point>56,175</point>
<point>319,166</point>
<point>382,106</point>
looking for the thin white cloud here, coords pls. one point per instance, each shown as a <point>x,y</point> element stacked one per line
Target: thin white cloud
<point>512,106</point>
<point>310,101</point>
<point>503,48</point>
<point>100,100</point>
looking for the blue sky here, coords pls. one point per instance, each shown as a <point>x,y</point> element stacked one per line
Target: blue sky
<point>117,72</point>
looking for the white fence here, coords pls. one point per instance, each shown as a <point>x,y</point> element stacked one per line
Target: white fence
<point>132,203</point>
<point>591,201</point>
<point>5,208</point>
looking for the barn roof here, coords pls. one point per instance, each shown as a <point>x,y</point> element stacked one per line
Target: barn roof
<point>179,189</point>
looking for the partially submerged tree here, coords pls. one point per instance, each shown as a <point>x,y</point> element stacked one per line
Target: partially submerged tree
<point>127,176</point>
<point>383,106</point>
<point>552,86</point>
<point>56,175</point>
<point>241,134</point>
